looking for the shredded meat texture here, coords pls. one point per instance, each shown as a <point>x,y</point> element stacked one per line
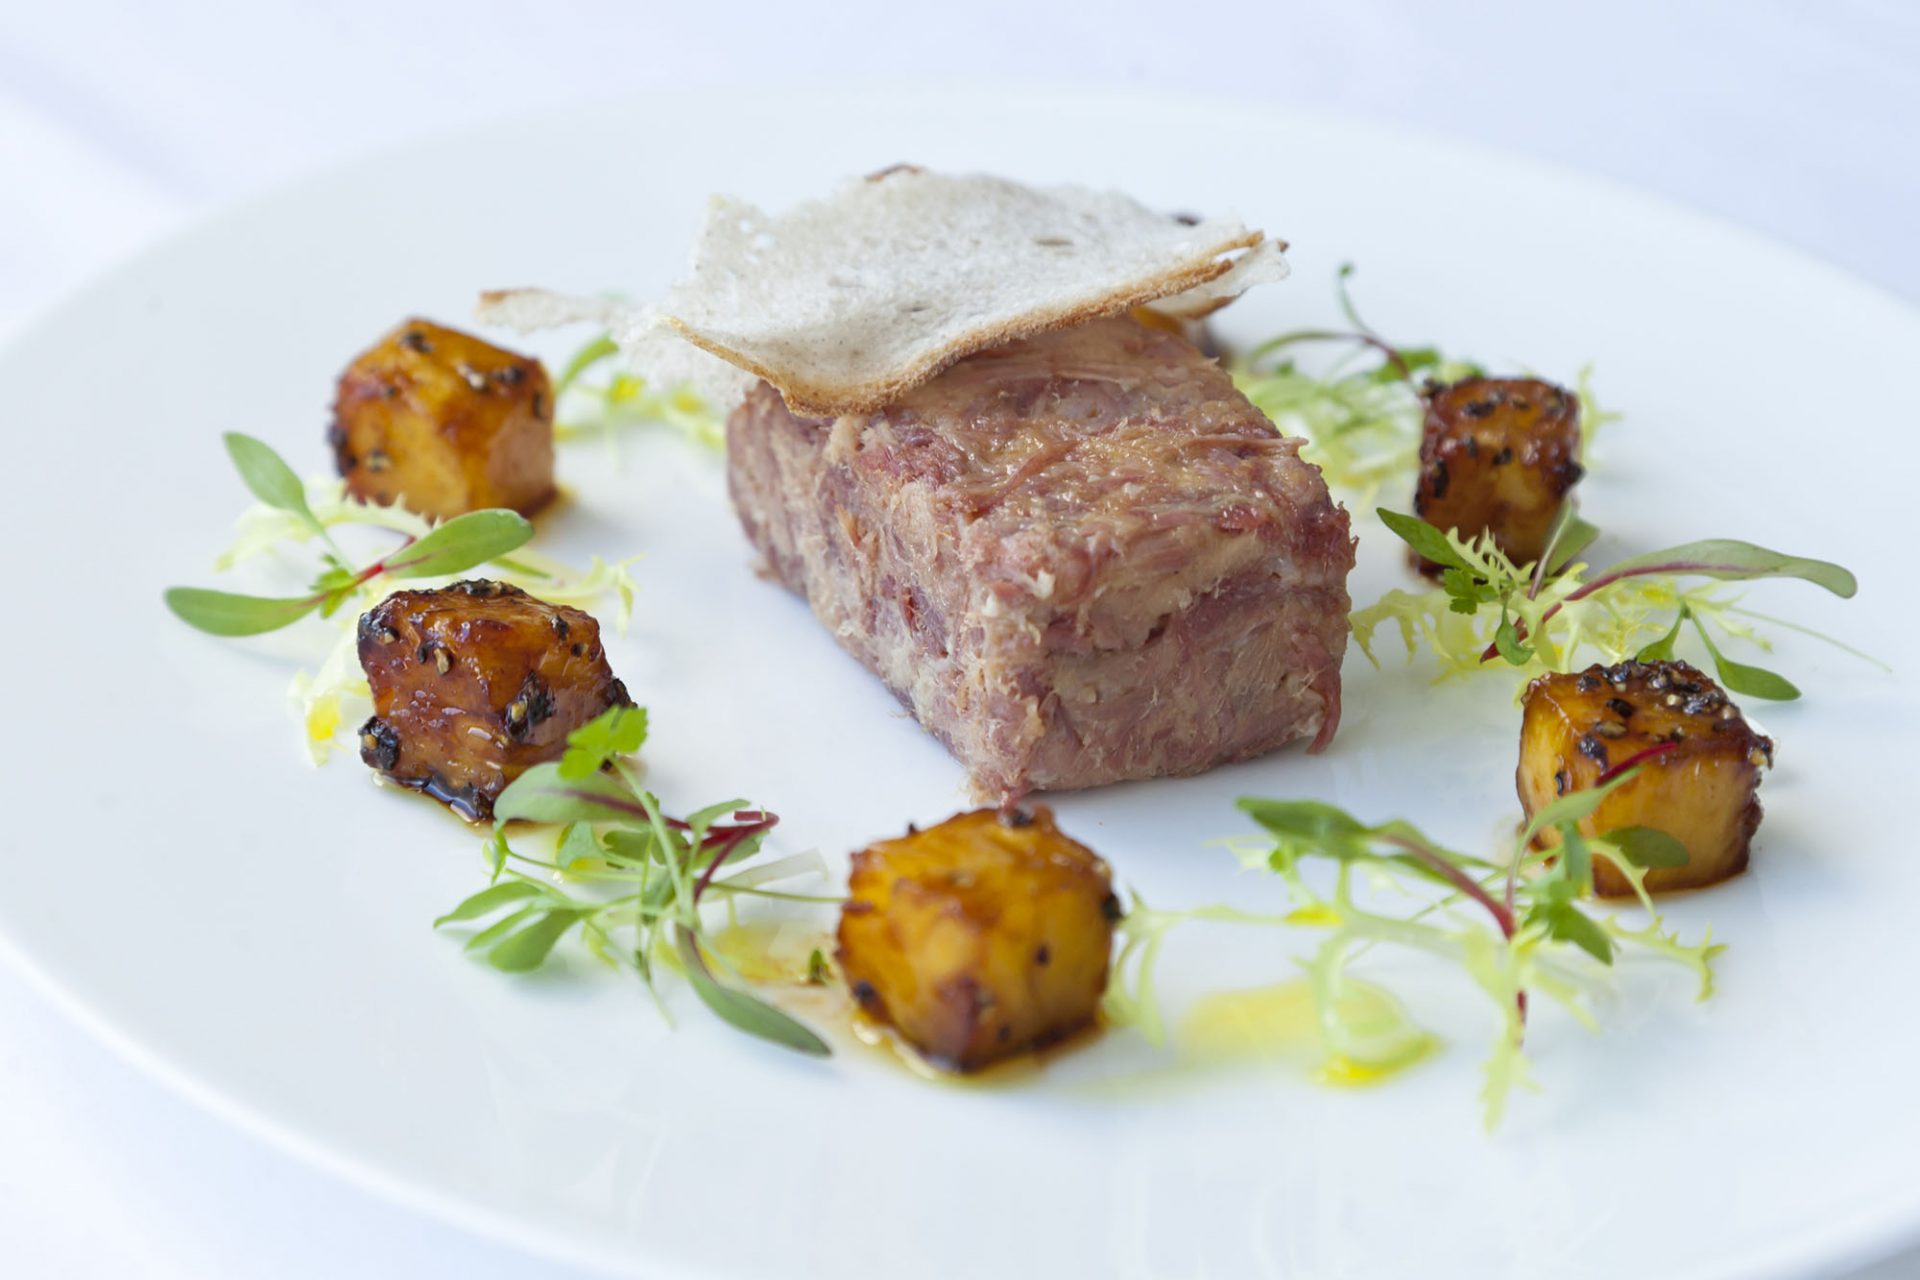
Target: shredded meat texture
<point>1080,558</point>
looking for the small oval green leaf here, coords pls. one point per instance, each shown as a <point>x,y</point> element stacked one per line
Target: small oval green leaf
<point>1661,650</point>
<point>1569,536</point>
<point>489,900</point>
<point>618,731</point>
<point>1303,819</point>
<point>577,844</point>
<point>1733,560</point>
<point>460,544</point>
<point>500,928</point>
<point>1573,806</point>
<point>528,949</point>
<point>1755,682</point>
<point>1506,639</point>
<point>736,1008</point>
<point>542,795</point>
<point>267,476</point>
<point>1426,540</point>
<point>1568,923</point>
<point>222,613</point>
<point>1647,847</point>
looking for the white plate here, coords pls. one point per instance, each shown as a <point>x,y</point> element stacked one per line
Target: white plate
<point>257,931</point>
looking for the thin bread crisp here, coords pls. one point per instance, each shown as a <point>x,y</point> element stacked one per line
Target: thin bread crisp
<point>847,303</point>
<point>648,345</point>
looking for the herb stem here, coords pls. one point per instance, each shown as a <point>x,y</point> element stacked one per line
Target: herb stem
<point>730,841</point>
<point>1385,348</point>
<point>1466,884</point>
<point>1637,758</point>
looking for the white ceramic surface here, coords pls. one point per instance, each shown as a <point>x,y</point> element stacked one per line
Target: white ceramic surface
<point>257,931</point>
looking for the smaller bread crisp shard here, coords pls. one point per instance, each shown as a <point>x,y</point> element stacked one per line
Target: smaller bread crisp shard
<point>845,304</point>
<point>1063,538</point>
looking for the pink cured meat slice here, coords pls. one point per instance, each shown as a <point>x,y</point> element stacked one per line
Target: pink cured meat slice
<point>1080,558</point>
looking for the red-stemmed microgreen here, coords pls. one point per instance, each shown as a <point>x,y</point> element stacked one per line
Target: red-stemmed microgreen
<point>1519,925</point>
<point>632,878</point>
<point>1556,615</point>
<point>451,547</point>
<point>294,514</point>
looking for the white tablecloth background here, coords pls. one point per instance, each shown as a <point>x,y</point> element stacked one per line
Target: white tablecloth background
<point>122,121</point>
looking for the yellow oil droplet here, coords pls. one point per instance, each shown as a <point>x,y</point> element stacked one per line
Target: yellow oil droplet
<point>1281,1023</point>
<point>323,721</point>
<point>1346,1073</point>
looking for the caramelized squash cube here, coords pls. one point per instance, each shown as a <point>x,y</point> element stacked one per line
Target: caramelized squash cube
<point>1498,456</point>
<point>979,938</point>
<point>1700,764</point>
<point>444,423</point>
<point>474,684</point>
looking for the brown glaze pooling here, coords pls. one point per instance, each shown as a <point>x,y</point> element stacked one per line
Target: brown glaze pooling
<point>474,684</point>
<point>444,424</point>
<point>1498,455</point>
<point>1699,762</point>
<point>982,937</point>
<point>1080,558</point>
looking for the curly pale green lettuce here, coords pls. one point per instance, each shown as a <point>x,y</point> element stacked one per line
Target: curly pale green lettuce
<point>626,400</point>
<point>291,513</point>
<point>1487,613</point>
<point>1361,414</point>
<point>1519,925</point>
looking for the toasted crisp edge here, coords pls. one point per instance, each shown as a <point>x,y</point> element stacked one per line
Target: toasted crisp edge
<point>823,399</point>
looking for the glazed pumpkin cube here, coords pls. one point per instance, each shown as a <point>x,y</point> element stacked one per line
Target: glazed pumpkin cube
<point>444,423</point>
<point>474,684</point>
<point>1498,455</point>
<point>979,938</point>
<point>1700,764</point>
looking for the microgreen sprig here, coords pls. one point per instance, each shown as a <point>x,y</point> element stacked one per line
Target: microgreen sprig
<point>642,876</point>
<point>626,400</point>
<point>1517,924</point>
<point>1489,612</point>
<point>450,547</point>
<point>1362,415</point>
<point>292,512</point>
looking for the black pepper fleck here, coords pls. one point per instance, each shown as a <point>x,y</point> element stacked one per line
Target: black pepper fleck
<point>379,745</point>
